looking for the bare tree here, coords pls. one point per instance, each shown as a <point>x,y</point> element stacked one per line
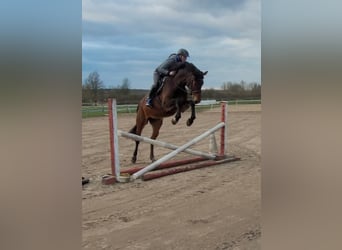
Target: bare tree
<point>241,89</point>
<point>124,87</point>
<point>123,90</point>
<point>255,89</point>
<point>93,87</point>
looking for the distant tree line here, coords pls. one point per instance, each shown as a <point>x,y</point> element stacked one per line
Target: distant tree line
<point>94,93</point>
<point>234,91</point>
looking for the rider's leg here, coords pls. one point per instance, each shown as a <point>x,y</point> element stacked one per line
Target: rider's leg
<point>153,90</point>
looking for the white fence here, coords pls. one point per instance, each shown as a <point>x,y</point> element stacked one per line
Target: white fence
<point>89,111</point>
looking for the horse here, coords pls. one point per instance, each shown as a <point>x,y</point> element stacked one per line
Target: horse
<point>170,100</point>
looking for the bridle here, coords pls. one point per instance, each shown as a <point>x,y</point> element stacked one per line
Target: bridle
<point>192,83</point>
<point>189,82</point>
<point>187,87</point>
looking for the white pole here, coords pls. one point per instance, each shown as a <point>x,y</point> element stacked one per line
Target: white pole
<point>212,144</point>
<point>116,141</point>
<point>177,151</point>
<point>164,144</point>
<point>226,129</point>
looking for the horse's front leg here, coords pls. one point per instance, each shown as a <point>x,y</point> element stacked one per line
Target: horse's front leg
<point>193,114</point>
<point>178,114</point>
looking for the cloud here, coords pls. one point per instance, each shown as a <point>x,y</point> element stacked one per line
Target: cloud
<point>136,36</point>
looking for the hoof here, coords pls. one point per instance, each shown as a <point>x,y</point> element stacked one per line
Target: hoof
<point>134,159</point>
<point>174,122</point>
<point>153,159</point>
<point>189,122</point>
<point>85,181</point>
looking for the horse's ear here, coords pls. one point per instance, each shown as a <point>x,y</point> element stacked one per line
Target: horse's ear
<point>204,73</point>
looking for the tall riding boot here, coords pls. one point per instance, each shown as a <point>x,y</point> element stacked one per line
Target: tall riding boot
<point>152,94</point>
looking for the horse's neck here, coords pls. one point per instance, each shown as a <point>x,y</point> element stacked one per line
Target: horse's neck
<point>178,84</point>
<point>171,87</point>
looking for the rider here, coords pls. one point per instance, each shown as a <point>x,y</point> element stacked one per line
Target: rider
<point>163,70</point>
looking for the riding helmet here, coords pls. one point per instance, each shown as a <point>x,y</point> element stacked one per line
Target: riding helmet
<point>183,52</point>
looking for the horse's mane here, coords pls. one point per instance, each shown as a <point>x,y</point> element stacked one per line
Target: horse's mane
<point>190,67</point>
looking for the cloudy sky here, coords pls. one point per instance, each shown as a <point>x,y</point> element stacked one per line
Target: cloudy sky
<point>130,38</point>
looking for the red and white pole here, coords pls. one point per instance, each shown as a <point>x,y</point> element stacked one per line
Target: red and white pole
<point>114,141</point>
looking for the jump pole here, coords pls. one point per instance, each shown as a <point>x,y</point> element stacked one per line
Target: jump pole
<point>164,144</point>
<point>154,175</point>
<point>177,151</point>
<point>220,159</point>
<point>166,165</point>
<point>114,150</point>
<point>224,130</point>
<point>114,145</point>
<point>215,159</point>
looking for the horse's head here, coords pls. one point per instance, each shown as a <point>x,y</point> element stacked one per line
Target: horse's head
<point>194,81</point>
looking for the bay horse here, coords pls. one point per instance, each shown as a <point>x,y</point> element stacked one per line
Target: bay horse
<point>171,99</point>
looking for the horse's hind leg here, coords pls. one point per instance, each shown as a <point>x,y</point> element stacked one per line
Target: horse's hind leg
<point>156,124</point>
<point>134,157</point>
<point>137,129</point>
<point>135,153</point>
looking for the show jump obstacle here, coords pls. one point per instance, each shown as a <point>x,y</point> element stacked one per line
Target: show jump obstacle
<point>169,167</point>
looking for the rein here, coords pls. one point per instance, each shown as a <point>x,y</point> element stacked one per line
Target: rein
<point>184,90</point>
<point>186,85</point>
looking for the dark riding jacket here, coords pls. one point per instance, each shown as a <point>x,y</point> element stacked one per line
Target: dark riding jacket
<point>171,63</point>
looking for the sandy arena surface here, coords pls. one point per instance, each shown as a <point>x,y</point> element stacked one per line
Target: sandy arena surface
<point>210,208</point>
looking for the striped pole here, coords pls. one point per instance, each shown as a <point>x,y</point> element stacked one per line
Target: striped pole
<point>114,141</point>
<point>154,175</point>
<point>166,165</point>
